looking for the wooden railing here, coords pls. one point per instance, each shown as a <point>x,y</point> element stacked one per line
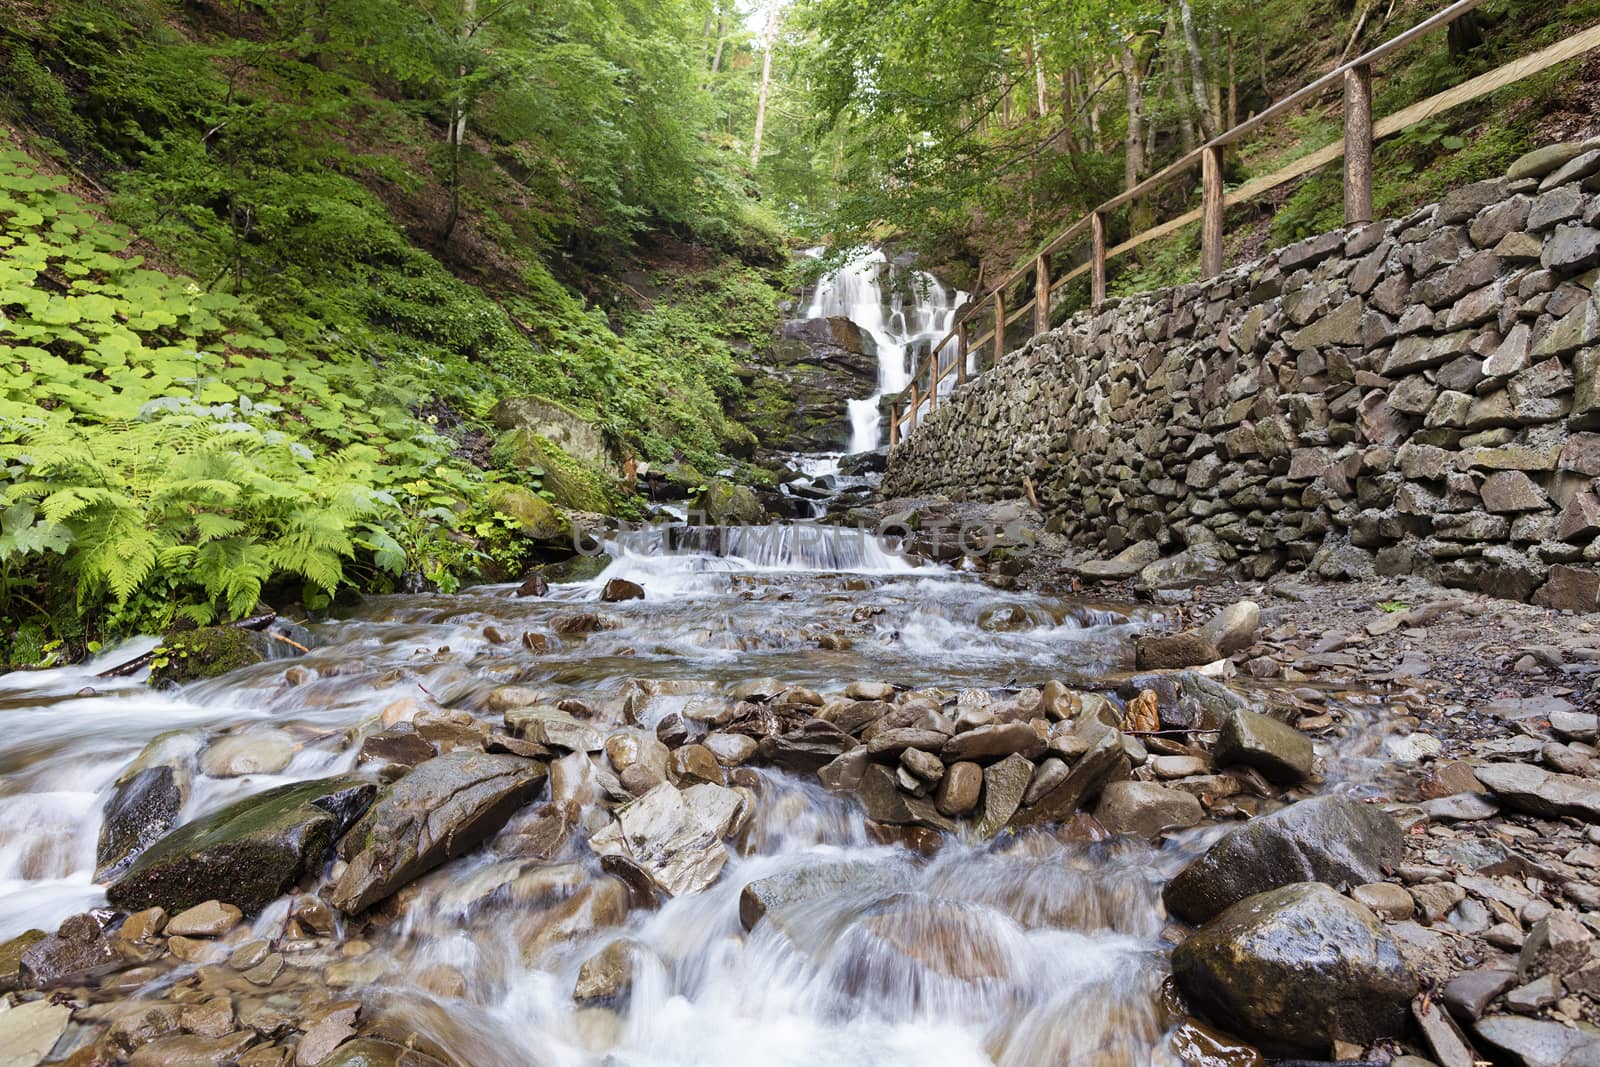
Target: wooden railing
<point>952,354</point>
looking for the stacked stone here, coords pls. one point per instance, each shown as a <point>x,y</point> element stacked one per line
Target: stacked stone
<point>1417,396</point>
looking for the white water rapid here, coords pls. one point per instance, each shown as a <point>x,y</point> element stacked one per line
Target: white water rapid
<point>873,293</point>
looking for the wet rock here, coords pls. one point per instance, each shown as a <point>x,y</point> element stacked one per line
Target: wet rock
<point>1327,839</point>
<point>607,974</point>
<point>29,1031</point>
<point>1539,792</point>
<point>372,1052</point>
<point>1169,651</point>
<point>396,748</point>
<point>190,1050</point>
<point>730,750</point>
<point>1146,809</point>
<point>880,794</point>
<point>213,918</point>
<point>843,774</point>
<point>534,585</point>
<point>923,766</point>
<point>248,852</point>
<point>959,789</point>
<point>1277,750</point>
<point>251,752</point>
<point>806,750</point>
<point>440,810</point>
<point>1296,969</point>
<point>620,589</point>
<point>1233,629</point>
<point>869,691</point>
<point>894,743</point>
<point>817,878</point>
<point>691,764</point>
<point>545,724</point>
<point>994,742</point>
<point>1004,785</point>
<point>1103,760</point>
<point>141,808</point>
<point>11,958</point>
<point>721,503</point>
<point>1541,1042</point>
<point>671,731</point>
<point>662,834</point>
<point>333,1029</point>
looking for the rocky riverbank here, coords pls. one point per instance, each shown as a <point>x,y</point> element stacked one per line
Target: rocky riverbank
<point>1281,821</point>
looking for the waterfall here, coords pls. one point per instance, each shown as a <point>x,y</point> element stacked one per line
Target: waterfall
<point>902,332</point>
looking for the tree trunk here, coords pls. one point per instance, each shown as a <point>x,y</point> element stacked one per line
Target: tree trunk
<point>1233,87</point>
<point>1197,72</point>
<point>1038,75</point>
<point>1133,141</point>
<point>761,106</point>
<point>458,126</point>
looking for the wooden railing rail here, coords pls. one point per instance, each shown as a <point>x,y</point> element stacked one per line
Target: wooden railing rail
<point>1360,132</point>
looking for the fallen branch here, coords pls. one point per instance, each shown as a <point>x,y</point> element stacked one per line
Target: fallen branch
<point>250,622</point>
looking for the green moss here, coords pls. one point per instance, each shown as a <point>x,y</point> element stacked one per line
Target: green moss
<point>192,655</point>
<point>567,482</point>
<point>536,518</point>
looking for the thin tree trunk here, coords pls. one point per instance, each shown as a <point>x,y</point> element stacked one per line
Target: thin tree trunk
<point>1233,87</point>
<point>761,106</point>
<point>1197,72</point>
<point>458,127</point>
<point>1038,75</point>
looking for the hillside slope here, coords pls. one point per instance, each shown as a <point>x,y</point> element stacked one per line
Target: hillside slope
<point>339,235</point>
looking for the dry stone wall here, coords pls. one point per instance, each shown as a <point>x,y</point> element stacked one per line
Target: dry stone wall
<point>1411,396</point>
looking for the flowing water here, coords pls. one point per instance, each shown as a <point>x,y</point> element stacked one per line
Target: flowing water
<point>1040,951</point>
<point>904,312</point>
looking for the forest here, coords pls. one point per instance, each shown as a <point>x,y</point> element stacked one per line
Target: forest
<point>270,266</point>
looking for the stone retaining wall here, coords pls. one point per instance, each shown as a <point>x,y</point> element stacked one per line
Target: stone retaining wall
<point>1414,396</point>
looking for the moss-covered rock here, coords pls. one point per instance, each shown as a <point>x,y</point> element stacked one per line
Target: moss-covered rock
<point>189,656</point>
<point>570,483</point>
<point>249,851</point>
<point>537,518</point>
<point>725,504</point>
<point>556,423</point>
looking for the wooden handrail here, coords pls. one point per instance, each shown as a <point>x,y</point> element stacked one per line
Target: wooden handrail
<point>1353,77</point>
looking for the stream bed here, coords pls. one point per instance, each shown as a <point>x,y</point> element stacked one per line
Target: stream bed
<point>1040,948</point>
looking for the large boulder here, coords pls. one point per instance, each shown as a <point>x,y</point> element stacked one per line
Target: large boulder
<point>1328,839</point>
<point>562,427</point>
<point>440,810</point>
<point>247,853</point>
<point>1296,969</point>
<point>210,652</point>
<point>722,503</point>
<point>537,519</point>
<point>142,807</point>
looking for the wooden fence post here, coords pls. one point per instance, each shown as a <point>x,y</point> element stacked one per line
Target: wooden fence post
<point>1097,259</point>
<point>933,381</point>
<point>894,423</point>
<point>999,326</point>
<point>1211,211</point>
<point>911,412</point>
<point>1041,296</point>
<point>961,354</point>
<point>1358,144</point>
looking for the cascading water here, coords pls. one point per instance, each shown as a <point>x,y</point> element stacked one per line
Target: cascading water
<point>902,329</point>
